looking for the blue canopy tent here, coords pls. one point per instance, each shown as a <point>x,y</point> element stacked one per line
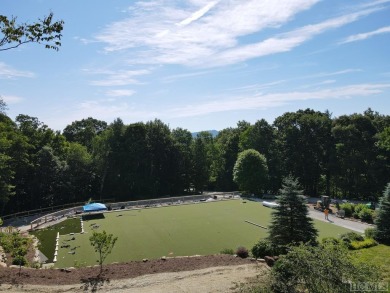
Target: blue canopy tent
<point>94,207</point>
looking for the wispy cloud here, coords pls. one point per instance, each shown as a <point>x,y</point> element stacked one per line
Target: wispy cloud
<point>265,101</point>
<point>256,87</point>
<point>374,3</point>
<point>7,72</point>
<point>117,78</point>
<point>203,33</point>
<point>206,29</point>
<point>333,73</point>
<point>10,99</point>
<point>172,78</point>
<point>198,14</point>
<point>120,93</point>
<point>109,110</point>
<point>363,36</point>
<point>287,41</point>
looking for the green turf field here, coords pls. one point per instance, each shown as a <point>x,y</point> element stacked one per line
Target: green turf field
<point>204,228</point>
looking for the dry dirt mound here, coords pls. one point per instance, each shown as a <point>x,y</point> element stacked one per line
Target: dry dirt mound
<point>217,273</point>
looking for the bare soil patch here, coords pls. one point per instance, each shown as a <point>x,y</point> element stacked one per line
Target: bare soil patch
<point>90,275</point>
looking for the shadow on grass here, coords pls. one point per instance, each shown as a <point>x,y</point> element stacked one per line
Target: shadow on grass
<point>93,216</point>
<point>93,284</point>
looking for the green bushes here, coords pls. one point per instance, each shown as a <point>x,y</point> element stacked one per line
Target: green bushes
<point>262,248</point>
<point>349,209</point>
<point>368,242</point>
<point>366,215</point>
<point>358,211</point>
<point>355,241</point>
<point>227,251</point>
<point>370,233</point>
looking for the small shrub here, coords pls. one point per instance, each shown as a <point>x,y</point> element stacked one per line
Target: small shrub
<point>36,265</point>
<point>262,248</point>
<point>370,233</point>
<point>242,252</point>
<point>227,251</point>
<point>348,208</point>
<point>359,207</point>
<point>352,236</point>
<point>19,260</point>
<point>331,240</point>
<point>366,215</point>
<point>369,242</point>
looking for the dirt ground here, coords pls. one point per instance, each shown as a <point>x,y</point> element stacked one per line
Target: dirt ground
<point>216,273</point>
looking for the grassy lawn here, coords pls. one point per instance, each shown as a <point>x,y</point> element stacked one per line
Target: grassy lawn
<point>204,228</point>
<point>377,255</point>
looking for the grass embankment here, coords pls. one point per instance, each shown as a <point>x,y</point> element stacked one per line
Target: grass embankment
<point>377,255</point>
<point>204,228</point>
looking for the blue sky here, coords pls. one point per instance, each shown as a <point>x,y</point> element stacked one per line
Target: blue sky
<point>200,64</point>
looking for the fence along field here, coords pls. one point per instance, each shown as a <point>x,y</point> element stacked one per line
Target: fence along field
<point>203,228</point>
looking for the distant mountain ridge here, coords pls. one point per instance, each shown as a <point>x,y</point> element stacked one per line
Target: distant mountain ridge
<point>214,133</point>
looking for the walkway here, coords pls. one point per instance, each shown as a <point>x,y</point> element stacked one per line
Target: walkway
<point>352,225</point>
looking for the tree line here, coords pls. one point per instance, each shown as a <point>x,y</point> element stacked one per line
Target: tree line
<point>346,156</point>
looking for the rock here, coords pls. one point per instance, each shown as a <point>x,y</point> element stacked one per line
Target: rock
<point>269,260</point>
<point>252,259</point>
<point>261,260</point>
<point>145,260</point>
<point>163,258</point>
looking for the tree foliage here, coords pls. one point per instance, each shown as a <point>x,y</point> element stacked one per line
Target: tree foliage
<point>45,31</point>
<point>317,269</point>
<point>382,220</point>
<point>346,156</point>
<point>103,244</point>
<point>290,223</point>
<point>250,171</point>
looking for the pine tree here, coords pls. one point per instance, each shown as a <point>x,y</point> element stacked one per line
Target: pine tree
<point>382,220</point>
<point>290,220</point>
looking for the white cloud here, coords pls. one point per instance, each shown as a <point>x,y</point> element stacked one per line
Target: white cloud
<point>363,36</point>
<point>198,14</point>
<point>204,33</point>
<point>120,93</point>
<point>265,101</point>
<point>117,78</point>
<point>10,99</point>
<point>287,41</point>
<point>109,110</point>
<point>153,33</point>
<point>7,72</point>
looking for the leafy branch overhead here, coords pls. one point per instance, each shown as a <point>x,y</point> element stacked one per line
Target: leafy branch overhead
<point>44,31</point>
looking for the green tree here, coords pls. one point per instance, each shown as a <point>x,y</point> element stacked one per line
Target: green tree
<point>200,164</point>
<point>225,156</point>
<point>45,31</point>
<point>319,269</point>
<point>290,223</point>
<point>357,168</point>
<point>103,244</point>
<point>262,137</point>
<point>250,171</point>
<point>3,106</point>
<point>304,140</point>
<point>182,141</point>
<point>84,131</point>
<point>382,220</point>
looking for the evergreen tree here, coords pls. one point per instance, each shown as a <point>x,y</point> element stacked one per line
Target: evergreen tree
<point>383,219</point>
<point>290,221</point>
